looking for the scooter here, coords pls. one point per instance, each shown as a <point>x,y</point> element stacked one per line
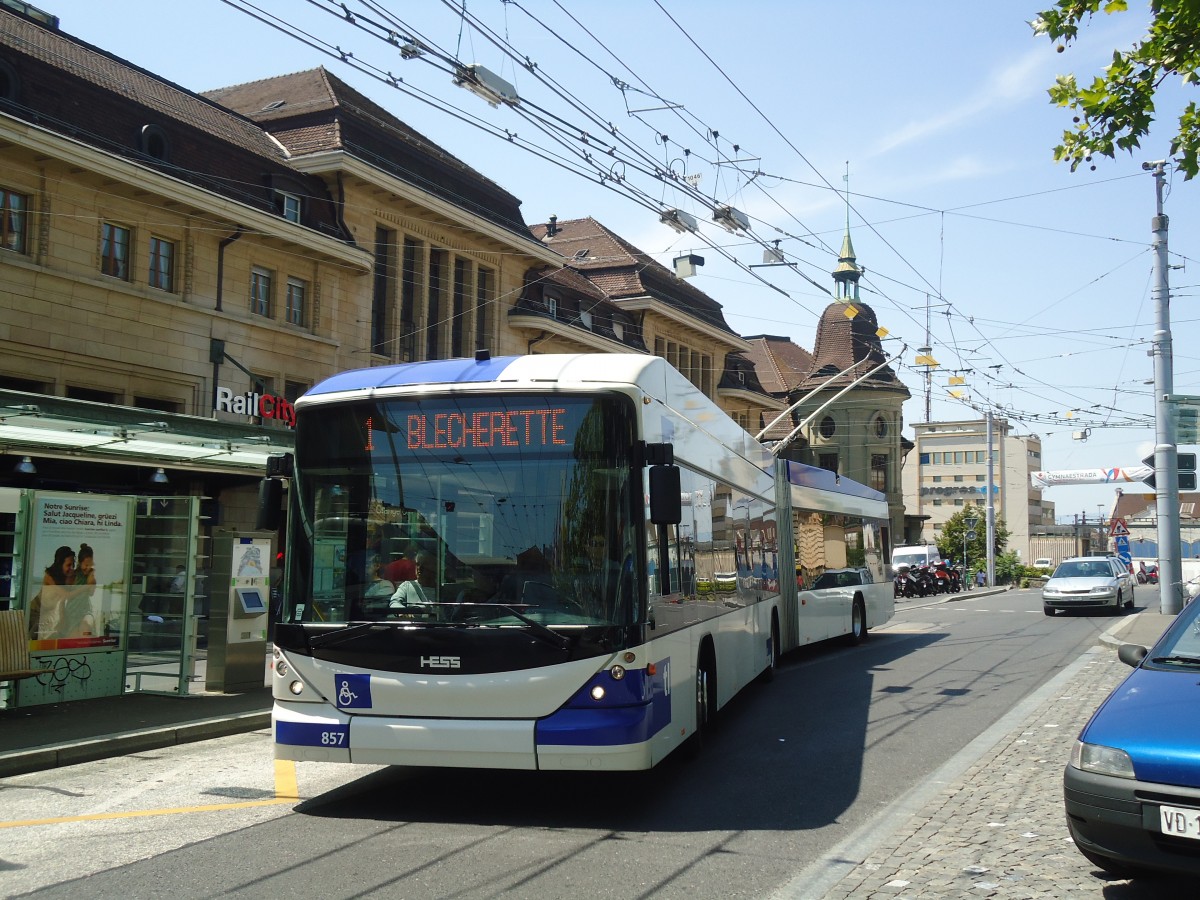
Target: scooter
<point>944,583</point>
<point>905,582</point>
<point>926,584</point>
<point>956,579</point>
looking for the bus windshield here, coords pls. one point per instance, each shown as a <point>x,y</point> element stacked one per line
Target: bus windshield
<point>463,509</point>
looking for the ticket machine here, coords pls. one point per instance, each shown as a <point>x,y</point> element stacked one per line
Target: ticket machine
<point>241,591</point>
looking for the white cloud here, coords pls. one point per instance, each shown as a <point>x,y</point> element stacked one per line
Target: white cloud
<point>1021,79</point>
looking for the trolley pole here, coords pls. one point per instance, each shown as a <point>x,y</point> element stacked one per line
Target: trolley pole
<point>1166,463</point>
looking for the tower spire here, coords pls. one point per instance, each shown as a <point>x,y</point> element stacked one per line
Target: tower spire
<point>846,178</point>
<point>847,273</point>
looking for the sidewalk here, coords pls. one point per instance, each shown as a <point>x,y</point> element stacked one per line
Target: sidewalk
<point>33,738</point>
<point>990,822</point>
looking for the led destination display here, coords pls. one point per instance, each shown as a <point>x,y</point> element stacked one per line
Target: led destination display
<point>490,429</point>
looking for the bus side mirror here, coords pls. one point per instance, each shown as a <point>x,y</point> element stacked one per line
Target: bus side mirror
<point>666,504</point>
<point>270,497</point>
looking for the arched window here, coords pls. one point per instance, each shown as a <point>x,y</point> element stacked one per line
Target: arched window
<point>153,142</point>
<point>9,83</point>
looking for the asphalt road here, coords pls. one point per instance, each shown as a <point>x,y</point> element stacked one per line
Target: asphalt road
<point>795,767</point>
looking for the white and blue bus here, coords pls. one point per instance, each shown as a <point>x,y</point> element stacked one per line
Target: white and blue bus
<point>556,562</point>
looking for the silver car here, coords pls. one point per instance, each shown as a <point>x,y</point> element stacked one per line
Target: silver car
<point>1088,581</point>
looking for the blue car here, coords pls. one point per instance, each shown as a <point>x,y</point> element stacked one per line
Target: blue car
<point>1132,786</point>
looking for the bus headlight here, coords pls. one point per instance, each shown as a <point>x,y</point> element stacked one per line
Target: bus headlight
<point>281,667</point>
<point>296,687</point>
<point>597,693</point>
<point>617,672</point>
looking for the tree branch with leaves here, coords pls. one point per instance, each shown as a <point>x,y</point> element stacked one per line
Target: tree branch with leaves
<point>1115,111</point>
<point>954,531</point>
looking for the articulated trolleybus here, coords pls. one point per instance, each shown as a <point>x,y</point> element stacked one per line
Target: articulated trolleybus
<point>558,562</point>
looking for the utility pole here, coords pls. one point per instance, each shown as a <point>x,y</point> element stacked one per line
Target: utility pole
<point>1166,463</point>
<point>991,507</point>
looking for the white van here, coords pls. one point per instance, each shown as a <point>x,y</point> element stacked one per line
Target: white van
<point>915,556</point>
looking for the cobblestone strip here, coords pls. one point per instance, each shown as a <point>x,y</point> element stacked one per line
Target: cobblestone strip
<point>999,831</point>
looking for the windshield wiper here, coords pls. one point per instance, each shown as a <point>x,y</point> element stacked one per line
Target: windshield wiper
<point>1190,660</point>
<point>559,640</point>
<point>349,632</point>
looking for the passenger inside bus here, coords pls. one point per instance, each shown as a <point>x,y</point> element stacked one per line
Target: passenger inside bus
<point>379,586</point>
<point>420,591</point>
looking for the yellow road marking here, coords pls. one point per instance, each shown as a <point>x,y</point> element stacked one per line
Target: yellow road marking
<point>286,791</point>
<point>285,780</point>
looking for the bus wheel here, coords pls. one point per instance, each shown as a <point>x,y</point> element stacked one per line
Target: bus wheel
<point>706,685</point>
<point>858,624</point>
<point>695,741</point>
<point>768,674</point>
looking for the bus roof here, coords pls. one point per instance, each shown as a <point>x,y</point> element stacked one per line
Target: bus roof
<point>651,374</point>
<point>630,368</point>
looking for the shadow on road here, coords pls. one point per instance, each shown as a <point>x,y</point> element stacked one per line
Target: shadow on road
<point>784,756</point>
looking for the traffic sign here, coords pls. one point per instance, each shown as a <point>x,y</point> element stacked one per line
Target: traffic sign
<point>1185,464</point>
<point>1123,549</point>
<point>1186,408</point>
<point>1118,528</point>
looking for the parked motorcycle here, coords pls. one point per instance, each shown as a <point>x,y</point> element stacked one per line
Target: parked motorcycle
<point>944,583</point>
<point>956,579</point>
<point>905,582</point>
<point>926,583</point>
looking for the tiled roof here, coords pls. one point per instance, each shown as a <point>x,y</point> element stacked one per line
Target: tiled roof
<point>570,278</point>
<point>843,341</point>
<point>306,94</point>
<point>137,86</point>
<point>1144,505</point>
<point>780,363</point>
<point>623,271</point>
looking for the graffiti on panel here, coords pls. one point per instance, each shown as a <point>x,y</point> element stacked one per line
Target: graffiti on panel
<point>67,670</point>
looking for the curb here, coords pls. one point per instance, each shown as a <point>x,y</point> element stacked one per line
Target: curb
<point>937,599</point>
<point>22,762</point>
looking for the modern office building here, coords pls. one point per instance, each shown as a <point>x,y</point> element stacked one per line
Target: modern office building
<point>947,471</point>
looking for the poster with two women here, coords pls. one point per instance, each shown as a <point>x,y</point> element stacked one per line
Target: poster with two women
<point>77,572</point>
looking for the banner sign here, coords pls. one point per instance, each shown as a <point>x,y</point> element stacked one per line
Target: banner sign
<point>78,588</point>
<point>1090,476</point>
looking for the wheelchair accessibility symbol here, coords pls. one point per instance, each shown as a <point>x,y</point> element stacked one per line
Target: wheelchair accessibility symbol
<point>352,691</point>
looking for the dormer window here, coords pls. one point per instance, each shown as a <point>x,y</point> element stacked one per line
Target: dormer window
<point>9,83</point>
<point>289,206</point>
<point>152,141</point>
<point>552,305</point>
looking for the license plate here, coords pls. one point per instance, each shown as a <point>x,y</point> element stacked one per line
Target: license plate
<point>1179,822</point>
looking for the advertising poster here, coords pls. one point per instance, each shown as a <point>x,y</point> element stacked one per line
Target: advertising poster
<point>78,585</point>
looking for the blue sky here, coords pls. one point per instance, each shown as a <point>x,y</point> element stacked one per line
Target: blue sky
<point>1038,279</point>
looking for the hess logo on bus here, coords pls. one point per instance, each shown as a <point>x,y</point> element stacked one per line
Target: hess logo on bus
<point>441,662</point>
